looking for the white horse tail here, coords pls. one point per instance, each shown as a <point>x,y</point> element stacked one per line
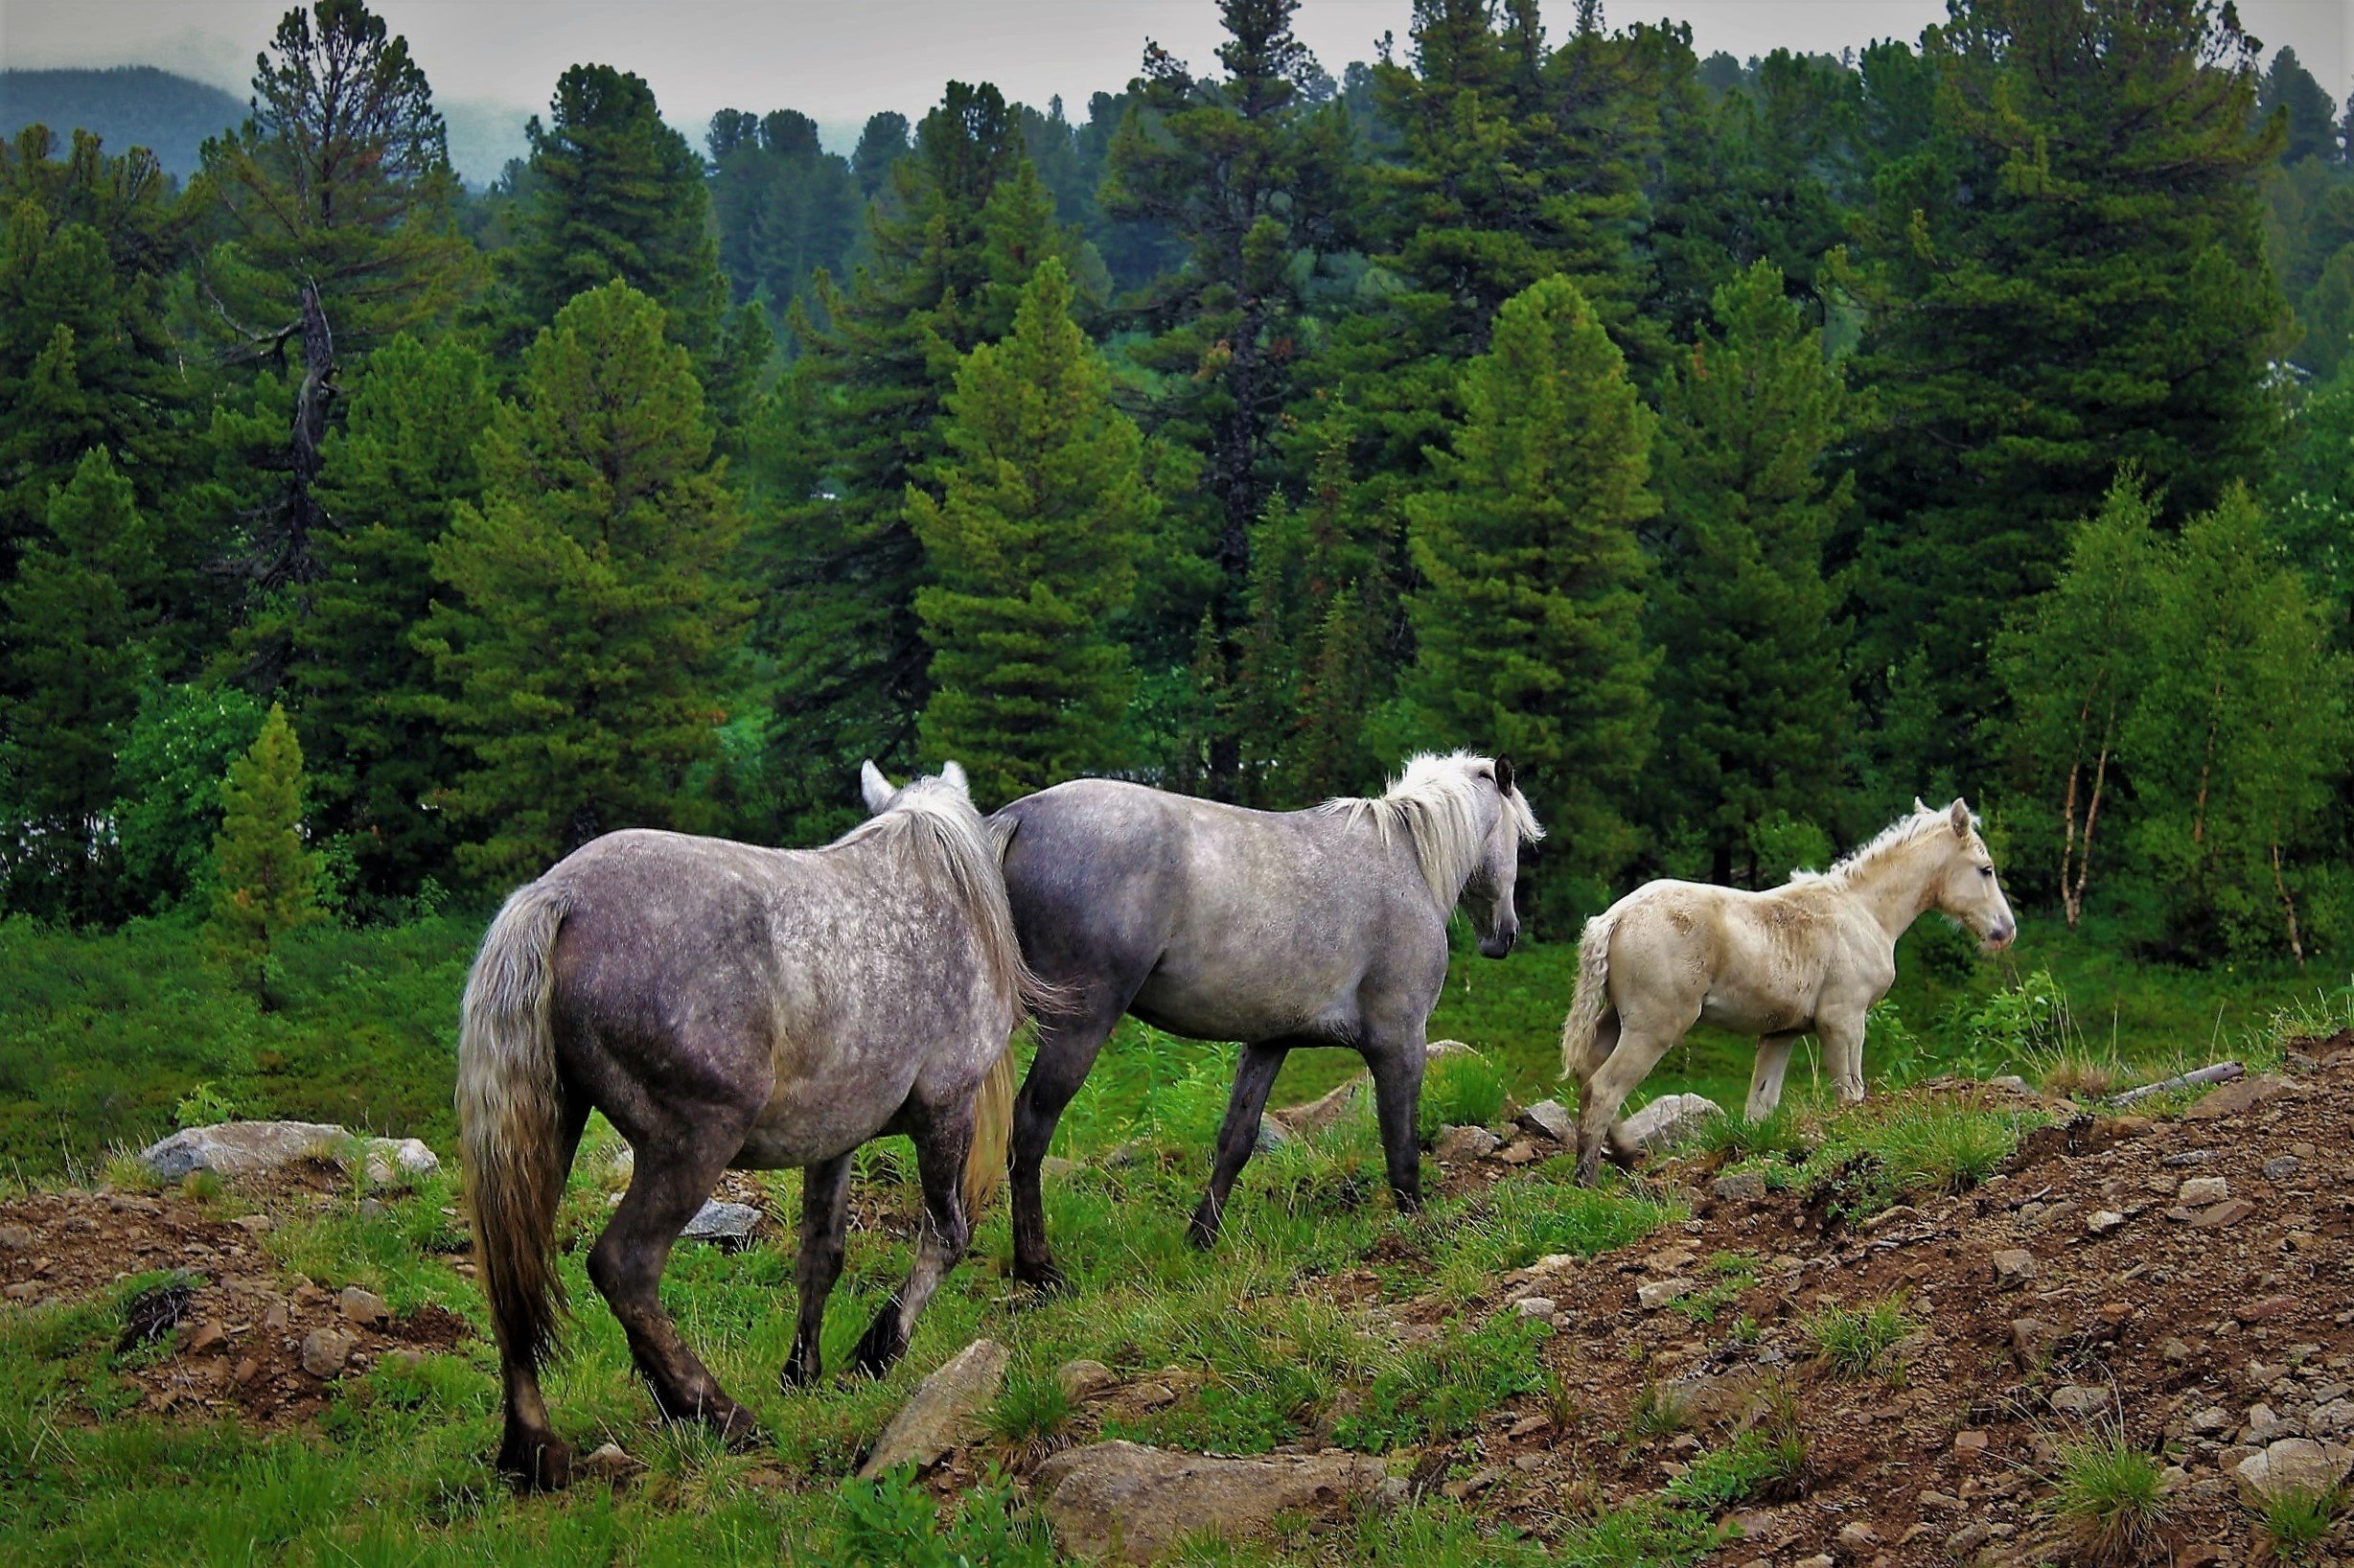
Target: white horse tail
<point>1592,998</point>
<point>985,1162</point>
<point>508,1120</point>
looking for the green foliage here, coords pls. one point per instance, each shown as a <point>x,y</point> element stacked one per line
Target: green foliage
<point>1438,1390</point>
<point>168,769</point>
<point>265,883</point>
<point>1528,622</point>
<point>1856,1341</point>
<point>589,623</point>
<point>2111,1497</point>
<point>2295,1524</point>
<point>1462,1088</point>
<point>1030,549</point>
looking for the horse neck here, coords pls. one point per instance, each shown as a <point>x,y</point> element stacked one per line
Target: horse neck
<point>1394,834</point>
<point>1895,885</point>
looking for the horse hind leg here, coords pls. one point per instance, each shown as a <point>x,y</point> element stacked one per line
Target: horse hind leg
<point>941,1144</point>
<point>1638,1051</point>
<point>826,1204</point>
<point>1238,1135</point>
<point>675,1171</point>
<point>1067,1050</point>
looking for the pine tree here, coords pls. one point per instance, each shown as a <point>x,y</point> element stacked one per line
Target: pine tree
<point>391,478</point>
<point>1754,704</point>
<point>2308,116</point>
<point>79,614</point>
<point>2063,274</point>
<point>1530,618</point>
<point>268,876</point>
<point>1030,545</point>
<point>588,627</point>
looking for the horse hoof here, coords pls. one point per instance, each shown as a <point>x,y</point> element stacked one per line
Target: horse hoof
<point>535,1463</point>
<point>796,1376</point>
<point>1201,1234</point>
<point>1044,1280</point>
<point>882,1345</point>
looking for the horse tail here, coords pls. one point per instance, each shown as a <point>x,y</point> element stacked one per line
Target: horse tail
<point>1581,1029</point>
<point>985,1162</point>
<point>509,1119</point>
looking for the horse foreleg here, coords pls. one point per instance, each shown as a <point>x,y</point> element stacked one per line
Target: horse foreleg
<point>825,1205</point>
<point>1239,1135</point>
<point>940,1147</point>
<point>1842,1041</point>
<point>1067,1050</point>
<point>1773,1060</point>
<point>674,1175</point>
<point>1397,1102</point>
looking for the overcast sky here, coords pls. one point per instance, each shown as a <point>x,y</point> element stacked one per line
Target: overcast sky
<point>840,60</point>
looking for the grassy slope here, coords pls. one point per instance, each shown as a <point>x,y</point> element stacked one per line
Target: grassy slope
<point>101,1036</point>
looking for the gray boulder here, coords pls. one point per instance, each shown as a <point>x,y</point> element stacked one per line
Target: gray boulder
<point>1665,1123</point>
<point>1550,1119</point>
<point>1119,1501</point>
<point>944,1411</point>
<point>728,1226</point>
<point>255,1148</point>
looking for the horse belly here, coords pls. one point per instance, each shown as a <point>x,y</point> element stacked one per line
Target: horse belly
<point>1748,1006</point>
<point>818,1117</point>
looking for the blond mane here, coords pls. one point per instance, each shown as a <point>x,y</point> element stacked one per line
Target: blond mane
<point>1900,834</point>
<point>1436,802</point>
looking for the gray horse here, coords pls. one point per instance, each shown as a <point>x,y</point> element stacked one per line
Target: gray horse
<point>730,1005</point>
<point>1325,927</point>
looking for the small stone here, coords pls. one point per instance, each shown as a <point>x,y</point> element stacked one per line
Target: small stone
<point>1123,1503</point>
<point>1968,1441</point>
<point>1472,1485</point>
<point>1458,1145</point>
<point>2230,1211</point>
<point>1658,1293</point>
<point>2264,1309</point>
<point>2014,1267</point>
<point>209,1335</point>
<point>2282,1168</point>
<point>2080,1399</point>
<point>1664,1122</point>
<point>2294,1464</point>
<point>1528,1426</point>
<point>1549,1118</point>
<point>16,1238</point>
<point>1967,1540</point>
<point>2102,1221</point>
<point>1820,1559</point>
<point>325,1353</point>
<point>2187,1158</point>
<point>727,1225</point>
<point>1084,1381</point>
<point>610,1462</point>
<point>2331,1419</point>
<point>1739,1186</point>
<point>402,1359</point>
<point>1943,1502</point>
<point>2201,1191</point>
<point>2239,1097</point>
<point>1152,1395</point>
<point>1518,1152</point>
<point>245,1370</point>
<point>363,1307</point>
<point>2213,1421</point>
<point>2032,1340</point>
<point>23,1290</point>
<point>944,1411</point>
<point>1858,1536</point>
<point>276,1315</point>
<point>2174,1352</point>
<point>1535,1306</point>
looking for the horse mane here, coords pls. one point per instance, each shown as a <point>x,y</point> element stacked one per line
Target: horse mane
<point>1436,802</point>
<point>938,825</point>
<point>1903,831</point>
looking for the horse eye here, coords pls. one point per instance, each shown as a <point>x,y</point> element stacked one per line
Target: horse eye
<point>1986,870</point>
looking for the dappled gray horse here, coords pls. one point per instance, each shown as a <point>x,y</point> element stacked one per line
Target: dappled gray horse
<point>1325,927</point>
<point>730,1005</point>
<point>1814,954</point>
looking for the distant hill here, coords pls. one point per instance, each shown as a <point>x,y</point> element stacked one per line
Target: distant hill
<point>127,105</point>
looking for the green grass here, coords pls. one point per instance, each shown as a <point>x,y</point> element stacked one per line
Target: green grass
<point>2297,1524</point>
<point>2109,1497</point>
<point>1858,1342</point>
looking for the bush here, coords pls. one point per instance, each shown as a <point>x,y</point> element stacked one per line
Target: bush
<point>1461,1089</point>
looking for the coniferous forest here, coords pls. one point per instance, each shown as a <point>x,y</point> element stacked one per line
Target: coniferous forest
<point>1743,447</point>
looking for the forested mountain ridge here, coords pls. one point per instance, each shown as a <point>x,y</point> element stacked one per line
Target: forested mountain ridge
<point>128,105</point>
<point>1744,448</point>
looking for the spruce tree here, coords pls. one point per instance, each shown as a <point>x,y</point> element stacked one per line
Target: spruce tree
<point>587,625</point>
<point>391,479</point>
<point>1528,619</point>
<point>1030,545</point>
<point>1754,704</point>
<point>267,876</point>
<point>79,614</point>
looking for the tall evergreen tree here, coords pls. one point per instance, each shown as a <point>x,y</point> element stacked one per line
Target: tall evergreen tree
<point>267,875</point>
<point>392,478</point>
<point>2308,116</point>
<point>336,203</point>
<point>588,627</point>
<point>79,614</point>
<point>2064,274</point>
<point>1030,545</point>
<point>786,209</point>
<point>1530,616</point>
<point>1754,704</point>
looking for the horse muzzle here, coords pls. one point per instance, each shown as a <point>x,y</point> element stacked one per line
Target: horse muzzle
<point>1498,943</point>
<point>1999,936</point>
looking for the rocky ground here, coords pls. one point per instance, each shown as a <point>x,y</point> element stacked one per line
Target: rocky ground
<point>2184,1280</point>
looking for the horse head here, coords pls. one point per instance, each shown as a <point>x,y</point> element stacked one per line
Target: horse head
<point>882,795</point>
<point>1966,888</point>
<point>1487,895</point>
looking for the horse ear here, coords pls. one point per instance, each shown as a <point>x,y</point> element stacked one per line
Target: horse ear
<point>1958,813</point>
<point>1921,806</point>
<point>1504,775</point>
<point>874,786</point>
<point>952,775</point>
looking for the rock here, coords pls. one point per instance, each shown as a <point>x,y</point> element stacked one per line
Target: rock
<point>2213,1421</point>
<point>1658,1293</point>
<point>1272,1134</point>
<point>252,1148</point>
<point>1518,1152</point>
<point>1859,1538</point>
<point>1665,1123</point>
<point>2102,1221</point>
<point>1472,1485</point>
<point>16,1238</point>
<point>1458,1145</point>
<point>1054,1167</point>
<point>2294,1464</point>
<point>2282,1168</point>
<point>2032,1340</point>
<point>363,1307</point>
<point>402,1359</point>
<point>2201,1191</point>
<point>944,1411</point>
<point>1084,1381</point>
<point>2014,1267</point>
<point>1535,1306</point>
<point>610,1463</point>
<point>325,1353</point>
<point>1125,1503</point>
<point>208,1336</point>
<point>2174,1352</point>
<point>2331,1420</point>
<point>1323,1111</point>
<point>2265,1425</point>
<point>1549,1118</point>
<point>1739,1186</point>
<point>2080,1399</point>
<point>2230,1211</point>
<point>2238,1097</point>
<point>1968,1441</point>
<point>2263,1308</point>
<point>728,1226</point>
<point>2187,1157</point>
